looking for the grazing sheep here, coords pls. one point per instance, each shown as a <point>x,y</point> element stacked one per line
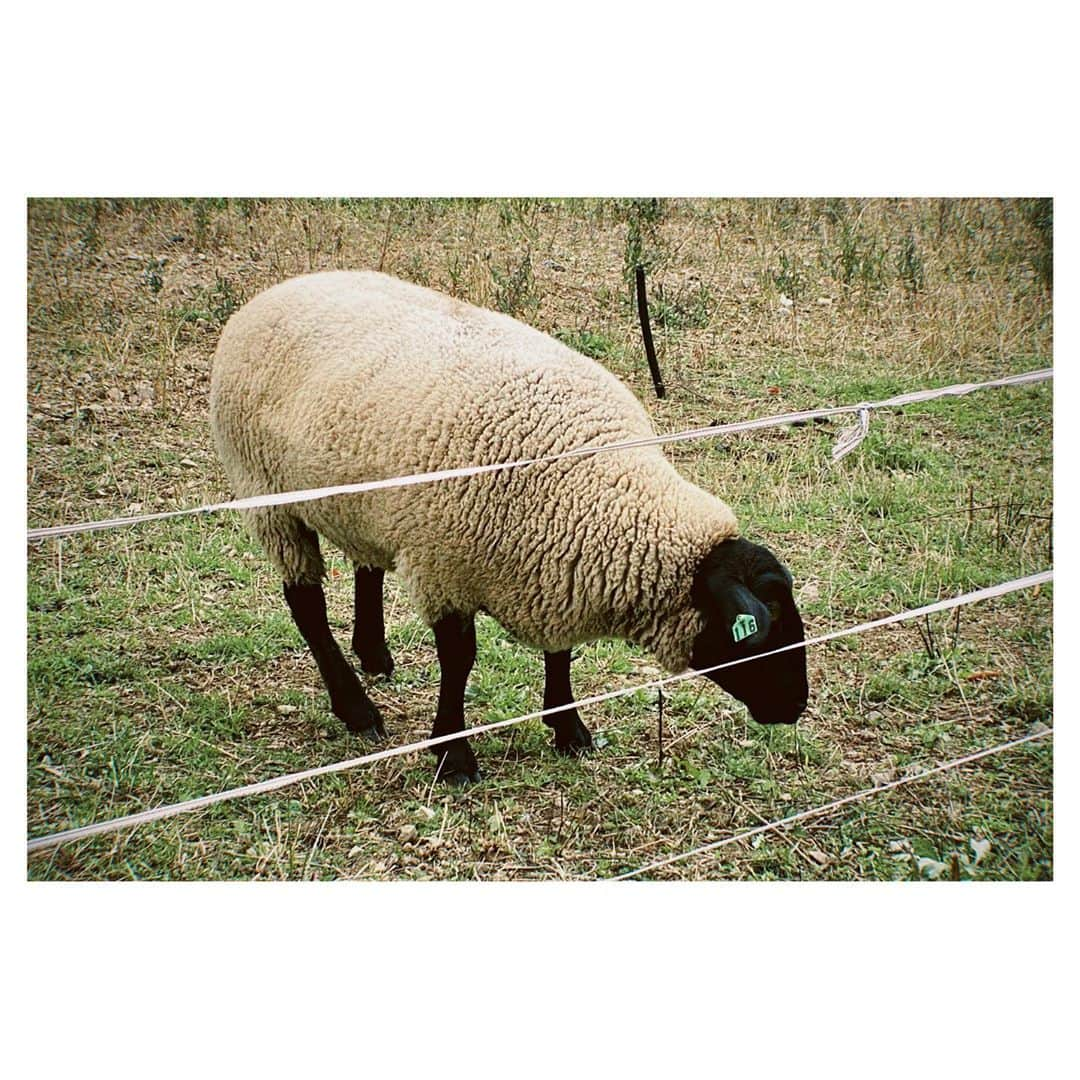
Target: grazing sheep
<point>334,378</point>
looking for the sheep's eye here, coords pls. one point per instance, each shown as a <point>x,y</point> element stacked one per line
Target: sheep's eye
<point>774,610</point>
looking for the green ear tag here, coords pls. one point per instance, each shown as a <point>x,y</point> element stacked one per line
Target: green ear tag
<point>743,627</point>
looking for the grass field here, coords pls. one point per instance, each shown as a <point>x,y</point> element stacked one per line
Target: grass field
<point>162,663</point>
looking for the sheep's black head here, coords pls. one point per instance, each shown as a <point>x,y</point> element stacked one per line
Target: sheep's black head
<point>745,596</point>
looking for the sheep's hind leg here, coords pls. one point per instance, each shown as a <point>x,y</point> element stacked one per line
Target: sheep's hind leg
<point>571,735</point>
<point>349,702</point>
<point>369,633</point>
<point>293,548</point>
<point>455,640</point>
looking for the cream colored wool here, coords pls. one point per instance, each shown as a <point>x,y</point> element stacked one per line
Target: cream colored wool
<point>336,378</point>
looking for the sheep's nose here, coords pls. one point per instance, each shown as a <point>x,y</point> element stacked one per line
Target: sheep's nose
<point>779,714</point>
<point>794,713</point>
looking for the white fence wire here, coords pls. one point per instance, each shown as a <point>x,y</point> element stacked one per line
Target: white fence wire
<point>848,440</point>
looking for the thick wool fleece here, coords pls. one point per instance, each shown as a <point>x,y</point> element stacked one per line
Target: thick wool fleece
<point>341,377</point>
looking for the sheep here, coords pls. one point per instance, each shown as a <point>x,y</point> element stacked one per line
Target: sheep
<point>331,378</point>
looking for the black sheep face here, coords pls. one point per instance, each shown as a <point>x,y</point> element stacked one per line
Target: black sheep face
<point>745,595</point>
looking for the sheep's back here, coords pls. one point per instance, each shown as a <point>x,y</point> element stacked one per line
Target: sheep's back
<point>328,374</point>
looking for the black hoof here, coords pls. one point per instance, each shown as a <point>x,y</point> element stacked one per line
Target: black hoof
<point>458,766</point>
<point>572,737</point>
<point>460,779</point>
<point>374,660</point>
<point>374,734</point>
<point>363,718</point>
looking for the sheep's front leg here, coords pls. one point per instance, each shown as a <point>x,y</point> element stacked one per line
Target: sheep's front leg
<point>348,700</point>
<point>455,640</point>
<point>369,633</point>
<point>571,735</point>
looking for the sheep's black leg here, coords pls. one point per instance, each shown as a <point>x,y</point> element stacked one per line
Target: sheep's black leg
<point>350,703</point>
<point>369,634</point>
<point>455,640</point>
<point>571,735</point>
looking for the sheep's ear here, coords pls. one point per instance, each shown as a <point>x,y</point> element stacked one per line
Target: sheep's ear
<point>743,617</point>
<point>739,616</point>
<point>726,586</point>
